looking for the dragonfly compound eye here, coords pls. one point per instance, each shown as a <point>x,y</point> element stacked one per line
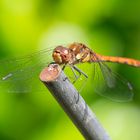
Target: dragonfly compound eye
<point>61,55</point>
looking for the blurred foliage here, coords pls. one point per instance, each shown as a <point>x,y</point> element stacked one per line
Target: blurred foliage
<point>110,27</point>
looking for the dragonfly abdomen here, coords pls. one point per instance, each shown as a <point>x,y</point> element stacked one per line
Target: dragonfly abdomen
<point>122,60</point>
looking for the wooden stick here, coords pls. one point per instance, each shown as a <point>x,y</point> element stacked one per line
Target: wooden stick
<point>72,103</point>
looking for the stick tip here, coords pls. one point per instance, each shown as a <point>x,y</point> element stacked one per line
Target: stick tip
<point>50,73</point>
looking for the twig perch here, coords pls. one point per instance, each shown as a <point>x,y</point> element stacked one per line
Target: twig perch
<point>66,95</point>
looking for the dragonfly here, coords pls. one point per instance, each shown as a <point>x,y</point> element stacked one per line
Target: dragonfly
<point>106,82</point>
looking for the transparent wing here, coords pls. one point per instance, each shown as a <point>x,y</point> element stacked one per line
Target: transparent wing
<point>110,84</point>
<point>17,75</point>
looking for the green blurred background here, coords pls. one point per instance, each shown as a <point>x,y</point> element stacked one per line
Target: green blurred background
<point>110,27</point>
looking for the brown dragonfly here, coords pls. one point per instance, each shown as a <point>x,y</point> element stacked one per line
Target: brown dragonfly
<point>107,83</point>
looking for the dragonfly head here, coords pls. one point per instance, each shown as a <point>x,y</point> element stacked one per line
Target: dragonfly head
<point>61,55</point>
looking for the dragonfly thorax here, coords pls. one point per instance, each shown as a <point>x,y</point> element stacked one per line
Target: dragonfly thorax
<point>81,53</point>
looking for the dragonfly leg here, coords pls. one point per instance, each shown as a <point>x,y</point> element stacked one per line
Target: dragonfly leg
<point>79,71</point>
<point>79,91</point>
<point>77,77</point>
<point>74,68</point>
<point>63,67</point>
<point>51,63</point>
<point>63,70</point>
